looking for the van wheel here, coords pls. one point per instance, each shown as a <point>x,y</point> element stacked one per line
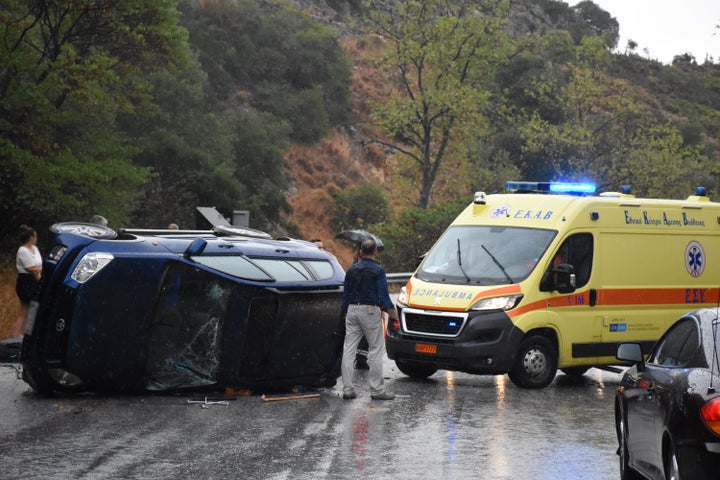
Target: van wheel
<point>413,370</point>
<point>575,371</point>
<point>536,363</point>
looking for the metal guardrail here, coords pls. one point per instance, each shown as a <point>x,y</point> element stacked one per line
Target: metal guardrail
<point>398,277</point>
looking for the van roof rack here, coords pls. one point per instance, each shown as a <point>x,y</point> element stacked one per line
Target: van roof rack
<point>217,230</point>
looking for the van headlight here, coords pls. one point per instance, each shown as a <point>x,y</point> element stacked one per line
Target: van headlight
<point>497,303</point>
<point>90,265</point>
<point>402,298</point>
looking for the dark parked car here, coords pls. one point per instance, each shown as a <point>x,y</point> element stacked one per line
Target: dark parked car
<point>667,409</point>
<point>142,310</point>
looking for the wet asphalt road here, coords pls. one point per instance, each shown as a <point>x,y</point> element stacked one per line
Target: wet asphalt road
<point>452,426</point>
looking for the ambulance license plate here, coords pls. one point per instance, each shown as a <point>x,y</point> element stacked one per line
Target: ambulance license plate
<point>426,348</point>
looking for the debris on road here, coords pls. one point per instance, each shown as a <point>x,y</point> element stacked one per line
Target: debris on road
<point>277,398</point>
<point>209,401</point>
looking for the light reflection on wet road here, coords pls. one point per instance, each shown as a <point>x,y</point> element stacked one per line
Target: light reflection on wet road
<point>452,426</point>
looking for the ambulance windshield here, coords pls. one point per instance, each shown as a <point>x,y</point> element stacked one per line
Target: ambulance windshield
<point>484,255</point>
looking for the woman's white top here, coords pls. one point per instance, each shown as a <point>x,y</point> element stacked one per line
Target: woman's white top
<point>26,258</point>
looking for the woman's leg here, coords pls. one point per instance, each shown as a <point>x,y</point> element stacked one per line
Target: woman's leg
<point>19,327</point>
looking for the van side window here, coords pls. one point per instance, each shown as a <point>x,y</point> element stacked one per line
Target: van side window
<point>576,250</point>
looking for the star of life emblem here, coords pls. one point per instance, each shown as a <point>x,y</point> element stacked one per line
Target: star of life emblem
<point>438,300</point>
<point>694,259</point>
<point>502,211</point>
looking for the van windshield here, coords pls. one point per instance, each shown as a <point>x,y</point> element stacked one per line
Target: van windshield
<point>484,255</point>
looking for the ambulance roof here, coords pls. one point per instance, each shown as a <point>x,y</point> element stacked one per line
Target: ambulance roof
<point>523,206</point>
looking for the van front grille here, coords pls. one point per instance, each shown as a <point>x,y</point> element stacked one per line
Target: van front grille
<point>431,324</point>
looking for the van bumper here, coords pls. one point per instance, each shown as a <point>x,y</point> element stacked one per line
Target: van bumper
<point>486,345</point>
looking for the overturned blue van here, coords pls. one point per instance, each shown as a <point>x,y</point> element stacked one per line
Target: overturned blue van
<point>167,310</point>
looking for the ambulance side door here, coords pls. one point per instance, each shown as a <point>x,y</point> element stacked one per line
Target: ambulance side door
<point>570,309</point>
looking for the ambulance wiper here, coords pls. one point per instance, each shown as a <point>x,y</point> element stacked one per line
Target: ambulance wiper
<point>502,269</point>
<point>459,260</point>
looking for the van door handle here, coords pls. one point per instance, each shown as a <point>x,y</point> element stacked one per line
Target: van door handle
<point>593,297</point>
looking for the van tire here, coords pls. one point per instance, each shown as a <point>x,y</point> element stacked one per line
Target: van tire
<point>536,363</point>
<point>413,370</point>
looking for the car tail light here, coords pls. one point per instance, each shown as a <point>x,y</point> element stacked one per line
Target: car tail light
<point>710,413</point>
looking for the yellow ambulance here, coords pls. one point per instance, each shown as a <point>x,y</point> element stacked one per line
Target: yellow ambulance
<point>552,276</point>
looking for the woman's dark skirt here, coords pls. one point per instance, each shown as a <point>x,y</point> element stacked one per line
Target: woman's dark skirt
<point>26,287</point>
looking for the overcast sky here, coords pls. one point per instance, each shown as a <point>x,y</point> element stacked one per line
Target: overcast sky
<point>667,27</point>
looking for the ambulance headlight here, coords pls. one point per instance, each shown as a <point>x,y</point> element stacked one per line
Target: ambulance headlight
<point>497,303</point>
<point>403,297</point>
<point>90,265</point>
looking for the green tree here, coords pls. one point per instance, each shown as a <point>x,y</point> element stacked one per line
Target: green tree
<point>607,133</point>
<point>67,70</point>
<point>409,236</point>
<point>591,20</point>
<point>360,206</point>
<point>218,138</point>
<point>272,58</point>
<point>440,58</point>
<point>227,158</point>
<point>258,160</point>
<point>187,148</point>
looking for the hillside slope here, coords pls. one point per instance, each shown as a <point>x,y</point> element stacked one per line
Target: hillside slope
<point>348,155</point>
<point>685,95</point>
<point>339,161</point>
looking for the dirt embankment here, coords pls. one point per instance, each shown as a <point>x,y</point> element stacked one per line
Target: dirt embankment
<point>9,306</point>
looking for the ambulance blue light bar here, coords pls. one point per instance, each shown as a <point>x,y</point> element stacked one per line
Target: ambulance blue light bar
<point>551,187</point>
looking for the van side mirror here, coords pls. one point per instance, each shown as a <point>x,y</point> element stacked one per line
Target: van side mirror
<point>564,278</point>
<point>630,352</point>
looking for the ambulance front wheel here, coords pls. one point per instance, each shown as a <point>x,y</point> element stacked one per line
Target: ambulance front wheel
<point>414,370</point>
<point>536,363</point>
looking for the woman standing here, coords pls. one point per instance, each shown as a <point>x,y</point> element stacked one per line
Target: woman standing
<point>29,267</point>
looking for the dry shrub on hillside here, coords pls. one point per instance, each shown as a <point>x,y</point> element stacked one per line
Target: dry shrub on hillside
<point>330,160</point>
<point>314,210</point>
<point>9,305</point>
<point>376,154</point>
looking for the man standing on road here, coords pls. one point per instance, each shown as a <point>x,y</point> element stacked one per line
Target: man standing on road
<point>364,297</point>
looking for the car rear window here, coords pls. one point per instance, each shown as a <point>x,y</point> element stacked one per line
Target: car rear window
<point>269,269</point>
